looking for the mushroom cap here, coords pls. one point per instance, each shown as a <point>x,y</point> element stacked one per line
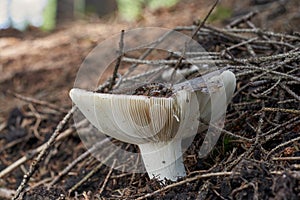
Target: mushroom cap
<point>139,119</point>
<point>218,98</point>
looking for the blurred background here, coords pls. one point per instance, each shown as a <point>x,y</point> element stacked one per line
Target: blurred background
<point>45,14</point>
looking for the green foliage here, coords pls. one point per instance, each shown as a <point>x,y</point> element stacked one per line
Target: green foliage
<point>131,10</point>
<point>49,16</point>
<point>221,13</point>
<point>155,4</point>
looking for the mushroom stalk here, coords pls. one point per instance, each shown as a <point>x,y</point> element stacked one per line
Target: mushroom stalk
<point>163,159</point>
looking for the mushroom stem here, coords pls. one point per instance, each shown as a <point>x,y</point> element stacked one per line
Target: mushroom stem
<point>163,159</point>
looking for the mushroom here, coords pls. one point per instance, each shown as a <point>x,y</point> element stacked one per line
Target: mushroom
<point>156,124</point>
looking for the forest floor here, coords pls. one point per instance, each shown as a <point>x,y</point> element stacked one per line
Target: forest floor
<point>256,157</point>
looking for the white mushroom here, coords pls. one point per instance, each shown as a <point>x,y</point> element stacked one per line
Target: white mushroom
<point>156,124</point>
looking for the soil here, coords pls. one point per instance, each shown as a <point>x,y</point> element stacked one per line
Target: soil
<point>38,69</point>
